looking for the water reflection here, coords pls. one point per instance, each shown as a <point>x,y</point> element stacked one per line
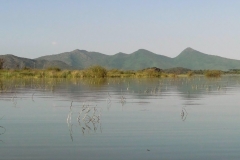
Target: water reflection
<point>95,82</point>
<point>187,87</point>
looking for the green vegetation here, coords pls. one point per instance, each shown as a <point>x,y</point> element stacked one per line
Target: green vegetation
<point>91,72</point>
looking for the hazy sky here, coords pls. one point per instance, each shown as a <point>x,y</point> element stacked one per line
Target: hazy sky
<point>33,28</point>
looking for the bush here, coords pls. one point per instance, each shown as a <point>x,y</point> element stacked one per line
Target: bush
<point>95,72</point>
<point>64,74</point>
<point>148,73</point>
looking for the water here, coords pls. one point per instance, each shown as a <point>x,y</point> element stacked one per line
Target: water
<point>183,118</point>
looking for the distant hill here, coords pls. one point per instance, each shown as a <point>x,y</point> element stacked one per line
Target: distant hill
<point>79,59</point>
<point>140,59</point>
<point>195,60</point>
<point>14,62</point>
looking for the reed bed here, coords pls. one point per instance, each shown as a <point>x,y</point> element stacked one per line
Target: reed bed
<point>91,72</point>
<point>101,72</point>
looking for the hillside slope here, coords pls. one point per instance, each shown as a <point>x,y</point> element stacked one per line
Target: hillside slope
<point>138,60</point>
<point>195,60</point>
<point>78,58</point>
<point>14,62</point>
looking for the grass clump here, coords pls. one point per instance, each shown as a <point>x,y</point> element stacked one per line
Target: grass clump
<point>64,74</point>
<point>149,72</point>
<point>115,73</point>
<point>190,73</point>
<point>53,69</point>
<point>173,75</point>
<point>95,72</point>
<point>213,73</point>
<point>120,73</point>
<point>77,74</point>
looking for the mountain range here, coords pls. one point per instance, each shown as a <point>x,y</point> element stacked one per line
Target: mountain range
<point>140,59</point>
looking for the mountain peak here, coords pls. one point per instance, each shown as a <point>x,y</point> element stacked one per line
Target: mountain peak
<point>78,50</point>
<point>189,52</point>
<point>143,50</point>
<point>120,53</point>
<point>188,49</point>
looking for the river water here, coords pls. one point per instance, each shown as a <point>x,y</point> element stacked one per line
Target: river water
<point>181,118</point>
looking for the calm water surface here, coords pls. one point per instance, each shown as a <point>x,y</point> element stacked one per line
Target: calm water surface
<point>182,118</point>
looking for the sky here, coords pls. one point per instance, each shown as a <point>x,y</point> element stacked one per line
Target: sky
<point>34,28</point>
